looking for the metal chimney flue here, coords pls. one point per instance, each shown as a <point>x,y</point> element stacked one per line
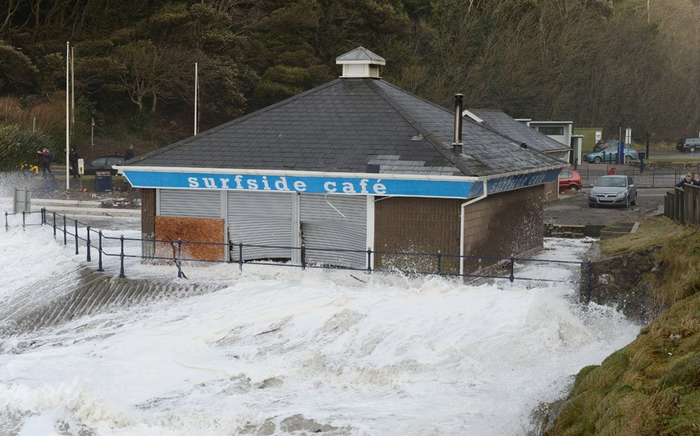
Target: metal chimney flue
<point>457,144</point>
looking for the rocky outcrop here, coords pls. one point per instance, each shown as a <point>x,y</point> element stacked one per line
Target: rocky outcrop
<point>623,281</point>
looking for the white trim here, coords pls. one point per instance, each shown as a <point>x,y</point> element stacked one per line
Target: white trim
<point>224,216</point>
<point>296,227</point>
<point>370,226</point>
<point>472,116</point>
<point>461,226</point>
<point>146,169</point>
<point>332,174</point>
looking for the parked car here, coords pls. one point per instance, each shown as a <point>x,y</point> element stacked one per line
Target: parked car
<point>613,191</point>
<point>103,163</point>
<point>688,144</point>
<point>610,155</point>
<point>602,145</point>
<point>569,180</point>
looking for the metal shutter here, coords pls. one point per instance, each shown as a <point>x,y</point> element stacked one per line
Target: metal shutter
<point>190,204</point>
<point>334,222</point>
<point>260,219</point>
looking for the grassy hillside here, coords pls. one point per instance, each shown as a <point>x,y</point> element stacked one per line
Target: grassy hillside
<point>652,386</point>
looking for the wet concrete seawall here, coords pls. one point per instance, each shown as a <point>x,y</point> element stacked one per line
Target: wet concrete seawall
<point>86,292</point>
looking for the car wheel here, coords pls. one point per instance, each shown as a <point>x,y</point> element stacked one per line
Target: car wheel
<point>597,160</point>
<point>628,159</point>
<point>627,201</point>
<point>573,188</point>
<point>591,205</point>
<point>691,149</point>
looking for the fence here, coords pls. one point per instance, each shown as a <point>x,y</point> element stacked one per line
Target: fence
<point>82,235</point>
<point>683,205</point>
<point>649,178</point>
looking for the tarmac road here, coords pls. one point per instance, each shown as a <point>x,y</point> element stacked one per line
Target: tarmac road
<point>574,209</point>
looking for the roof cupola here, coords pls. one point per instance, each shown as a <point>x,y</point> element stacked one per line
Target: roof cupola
<point>360,62</point>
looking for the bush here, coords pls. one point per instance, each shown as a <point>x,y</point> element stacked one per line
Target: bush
<point>19,146</point>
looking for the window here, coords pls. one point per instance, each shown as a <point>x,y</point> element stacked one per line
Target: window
<point>551,130</point>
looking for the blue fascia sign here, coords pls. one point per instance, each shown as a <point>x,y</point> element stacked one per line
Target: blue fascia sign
<point>348,185</point>
<point>358,185</point>
<point>508,183</point>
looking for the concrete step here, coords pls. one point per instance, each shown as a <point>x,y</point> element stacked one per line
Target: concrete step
<point>79,208</point>
<point>92,211</point>
<point>619,229</point>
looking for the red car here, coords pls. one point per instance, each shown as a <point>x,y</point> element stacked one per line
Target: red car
<point>569,180</point>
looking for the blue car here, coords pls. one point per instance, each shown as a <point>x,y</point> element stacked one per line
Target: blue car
<point>610,155</point>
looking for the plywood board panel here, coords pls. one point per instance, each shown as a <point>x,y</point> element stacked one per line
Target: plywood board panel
<point>191,231</point>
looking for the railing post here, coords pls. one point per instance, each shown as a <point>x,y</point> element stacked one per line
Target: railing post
<point>99,251</point>
<point>303,256</point>
<point>88,244</point>
<point>512,269</point>
<point>588,281</point>
<point>7,225</point>
<point>439,263</point>
<point>179,258</point>
<point>65,231</point>
<point>54,225</point>
<point>369,260</point>
<point>240,256</point>
<point>76,237</point>
<point>24,218</point>
<point>121,255</point>
<point>43,216</point>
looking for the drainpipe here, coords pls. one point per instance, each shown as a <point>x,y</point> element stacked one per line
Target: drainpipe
<point>461,224</point>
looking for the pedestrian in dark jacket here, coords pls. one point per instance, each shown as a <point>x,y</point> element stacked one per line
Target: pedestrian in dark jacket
<point>687,180</point>
<point>45,159</point>
<point>129,154</point>
<point>73,157</point>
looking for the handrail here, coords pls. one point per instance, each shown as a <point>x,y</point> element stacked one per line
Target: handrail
<point>436,261</point>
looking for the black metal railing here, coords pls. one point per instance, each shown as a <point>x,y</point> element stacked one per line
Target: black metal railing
<point>416,263</point>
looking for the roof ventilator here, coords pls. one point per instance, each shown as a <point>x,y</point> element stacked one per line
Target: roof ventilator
<point>457,144</point>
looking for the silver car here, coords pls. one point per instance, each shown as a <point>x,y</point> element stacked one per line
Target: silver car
<point>613,190</point>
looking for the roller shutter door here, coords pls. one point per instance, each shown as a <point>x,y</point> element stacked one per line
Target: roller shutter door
<point>260,219</point>
<point>337,222</point>
<point>190,204</point>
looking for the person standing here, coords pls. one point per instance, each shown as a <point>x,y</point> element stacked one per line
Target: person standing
<point>688,180</point>
<point>73,157</point>
<point>611,171</point>
<point>129,154</point>
<point>45,159</point>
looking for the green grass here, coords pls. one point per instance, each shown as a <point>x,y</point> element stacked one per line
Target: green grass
<point>652,386</point>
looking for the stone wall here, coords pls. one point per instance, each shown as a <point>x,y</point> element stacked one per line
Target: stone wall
<point>622,281</point>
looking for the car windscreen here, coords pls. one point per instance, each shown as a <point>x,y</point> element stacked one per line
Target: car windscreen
<point>610,182</point>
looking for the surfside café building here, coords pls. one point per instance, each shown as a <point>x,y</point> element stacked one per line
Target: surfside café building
<point>352,165</point>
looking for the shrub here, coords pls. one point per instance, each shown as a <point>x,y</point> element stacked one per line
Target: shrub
<point>19,146</point>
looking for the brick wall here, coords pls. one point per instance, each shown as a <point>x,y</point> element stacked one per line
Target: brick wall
<point>426,225</point>
<point>505,224</point>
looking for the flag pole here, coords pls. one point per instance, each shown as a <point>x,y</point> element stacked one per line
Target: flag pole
<point>196,97</point>
<point>67,115</point>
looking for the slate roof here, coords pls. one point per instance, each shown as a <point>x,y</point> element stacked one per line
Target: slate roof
<point>346,125</point>
<point>500,122</point>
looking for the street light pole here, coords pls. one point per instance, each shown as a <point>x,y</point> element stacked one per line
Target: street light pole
<point>67,114</point>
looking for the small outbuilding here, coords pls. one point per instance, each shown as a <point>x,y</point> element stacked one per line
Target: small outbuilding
<point>353,165</point>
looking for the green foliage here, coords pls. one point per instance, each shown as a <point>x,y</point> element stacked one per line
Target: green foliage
<point>18,75</point>
<point>19,146</point>
<point>652,386</point>
<point>603,63</point>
